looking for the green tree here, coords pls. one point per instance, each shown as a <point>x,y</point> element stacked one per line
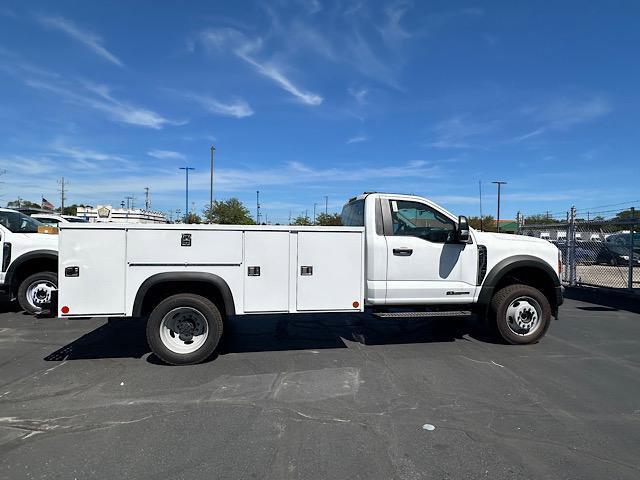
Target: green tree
<point>329,219</point>
<point>488,223</point>
<point>300,220</point>
<point>71,209</point>
<point>627,214</point>
<point>22,203</point>
<point>193,218</point>
<point>540,219</point>
<point>228,212</point>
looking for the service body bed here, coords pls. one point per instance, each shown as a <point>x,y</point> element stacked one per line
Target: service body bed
<point>266,268</point>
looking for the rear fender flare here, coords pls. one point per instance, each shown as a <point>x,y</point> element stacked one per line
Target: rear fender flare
<point>208,278</point>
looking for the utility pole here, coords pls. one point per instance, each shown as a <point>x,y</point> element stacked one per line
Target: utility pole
<point>314,212</point>
<point>498,219</point>
<point>211,186</point>
<point>63,197</point>
<point>289,216</point>
<point>186,192</point>
<point>326,204</point>
<point>258,207</point>
<point>147,204</point>
<point>480,192</point>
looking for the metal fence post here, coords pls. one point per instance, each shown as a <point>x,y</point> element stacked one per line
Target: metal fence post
<point>631,228</point>
<point>571,243</point>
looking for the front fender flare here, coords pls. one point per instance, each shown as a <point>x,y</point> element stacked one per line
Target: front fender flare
<point>509,264</point>
<point>14,266</point>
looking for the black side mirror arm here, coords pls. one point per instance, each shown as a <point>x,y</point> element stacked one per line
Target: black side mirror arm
<point>463,229</point>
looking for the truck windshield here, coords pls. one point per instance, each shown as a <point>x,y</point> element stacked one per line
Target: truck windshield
<point>353,214</point>
<point>17,222</point>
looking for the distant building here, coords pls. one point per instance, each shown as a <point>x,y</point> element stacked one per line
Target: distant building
<point>106,213</point>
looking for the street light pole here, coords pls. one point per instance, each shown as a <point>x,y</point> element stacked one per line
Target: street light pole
<point>498,218</point>
<point>186,192</point>
<point>211,189</point>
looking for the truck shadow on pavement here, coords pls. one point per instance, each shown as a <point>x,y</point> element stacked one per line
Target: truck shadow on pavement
<point>125,338</point>
<point>607,299</point>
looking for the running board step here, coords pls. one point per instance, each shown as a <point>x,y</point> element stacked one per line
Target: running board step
<point>447,313</point>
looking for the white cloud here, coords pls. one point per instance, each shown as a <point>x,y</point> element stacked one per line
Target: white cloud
<point>459,131</point>
<point>88,158</point>
<point>89,39</point>
<point>392,31</point>
<point>564,113</point>
<point>245,49</point>
<point>359,94</point>
<point>99,98</point>
<point>357,139</point>
<point>166,155</point>
<point>238,108</point>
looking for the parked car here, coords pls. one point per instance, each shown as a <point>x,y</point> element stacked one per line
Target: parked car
<point>54,219</point>
<point>612,254</point>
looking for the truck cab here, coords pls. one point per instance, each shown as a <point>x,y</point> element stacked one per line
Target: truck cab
<point>418,253</point>
<point>29,270</point>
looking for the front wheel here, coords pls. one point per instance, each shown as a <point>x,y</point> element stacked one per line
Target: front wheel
<point>522,314</point>
<point>184,329</point>
<point>35,292</point>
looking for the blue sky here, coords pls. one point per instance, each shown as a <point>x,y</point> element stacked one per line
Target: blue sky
<point>305,98</point>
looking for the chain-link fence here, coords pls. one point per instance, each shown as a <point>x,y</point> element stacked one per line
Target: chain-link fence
<point>596,252</point>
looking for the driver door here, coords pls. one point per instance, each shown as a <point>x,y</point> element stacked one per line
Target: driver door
<point>425,263</point>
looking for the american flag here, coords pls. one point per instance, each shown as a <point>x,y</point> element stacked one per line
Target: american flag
<point>47,204</point>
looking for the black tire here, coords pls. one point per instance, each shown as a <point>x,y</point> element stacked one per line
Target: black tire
<point>500,304</point>
<point>202,305</point>
<point>30,306</point>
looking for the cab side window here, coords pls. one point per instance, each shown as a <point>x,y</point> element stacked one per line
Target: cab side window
<point>419,220</point>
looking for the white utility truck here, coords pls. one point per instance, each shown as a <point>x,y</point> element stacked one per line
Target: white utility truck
<point>393,251</point>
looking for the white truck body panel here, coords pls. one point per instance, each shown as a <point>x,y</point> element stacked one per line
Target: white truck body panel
<point>102,258</point>
<point>115,260</point>
<point>339,276</point>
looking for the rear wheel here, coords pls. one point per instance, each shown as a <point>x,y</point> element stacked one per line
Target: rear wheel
<point>522,314</point>
<point>35,292</point>
<point>184,329</point>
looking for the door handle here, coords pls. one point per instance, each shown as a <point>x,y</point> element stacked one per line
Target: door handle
<point>402,252</point>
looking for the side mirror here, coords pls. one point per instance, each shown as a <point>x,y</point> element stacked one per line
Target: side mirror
<point>463,229</point>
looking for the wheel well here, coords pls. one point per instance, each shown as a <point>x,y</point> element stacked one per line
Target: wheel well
<point>162,290</point>
<point>34,265</point>
<point>532,276</point>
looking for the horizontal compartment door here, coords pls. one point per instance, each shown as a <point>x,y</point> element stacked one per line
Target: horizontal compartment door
<point>329,271</point>
<point>178,247</point>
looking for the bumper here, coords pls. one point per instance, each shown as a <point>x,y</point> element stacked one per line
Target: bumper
<point>559,295</point>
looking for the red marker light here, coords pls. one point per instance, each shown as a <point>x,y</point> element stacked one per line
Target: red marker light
<point>65,309</point>
<point>356,304</point>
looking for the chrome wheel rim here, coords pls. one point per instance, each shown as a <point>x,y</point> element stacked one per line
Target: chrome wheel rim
<point>39,294</point>
<point>524,316</point>
<point>184,330</point>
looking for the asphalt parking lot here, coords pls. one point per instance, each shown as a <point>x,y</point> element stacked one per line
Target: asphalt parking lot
<point>337,396</point>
